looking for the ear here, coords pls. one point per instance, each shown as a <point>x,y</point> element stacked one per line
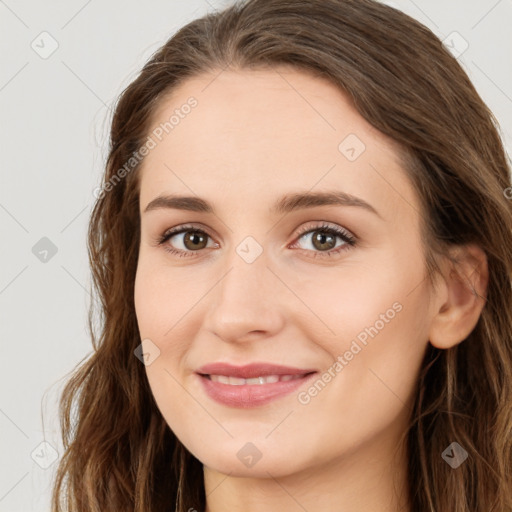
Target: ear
<point>463,298</point>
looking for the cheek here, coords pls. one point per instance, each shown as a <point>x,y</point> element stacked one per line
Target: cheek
<point>156,317</point>
<point>378,362</point>
<point>348,302</point>
<point>144,296</point>
<point>375,319</point>
<point>162,303</point>
<point>162,296</point>
<point>382,297</point>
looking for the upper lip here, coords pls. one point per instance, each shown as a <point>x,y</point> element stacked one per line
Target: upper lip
<point>251,370</point>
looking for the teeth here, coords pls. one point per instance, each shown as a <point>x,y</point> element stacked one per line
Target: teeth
<point>235,381</point>
<point>267,379</point>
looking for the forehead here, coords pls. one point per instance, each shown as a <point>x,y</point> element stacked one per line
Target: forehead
<point>261,133</point>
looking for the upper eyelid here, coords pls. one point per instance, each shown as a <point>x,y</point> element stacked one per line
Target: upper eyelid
<point>303,230</point>
<point>200,227</point>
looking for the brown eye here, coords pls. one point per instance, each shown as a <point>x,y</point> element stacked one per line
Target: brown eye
<point>194,240</point>
<point>323,241</point>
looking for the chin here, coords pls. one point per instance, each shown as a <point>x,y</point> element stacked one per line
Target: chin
<point>245,459</point>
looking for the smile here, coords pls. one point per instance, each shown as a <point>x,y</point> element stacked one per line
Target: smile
<point>243,393</point>
<point>267,379</point>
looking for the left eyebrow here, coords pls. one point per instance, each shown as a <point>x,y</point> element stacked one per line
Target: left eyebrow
<point>285,204</point>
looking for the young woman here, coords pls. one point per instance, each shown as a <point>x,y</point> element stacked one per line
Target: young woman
<point>303,251</point>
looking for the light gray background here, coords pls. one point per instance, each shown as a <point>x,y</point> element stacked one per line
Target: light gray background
<point>55,113</point>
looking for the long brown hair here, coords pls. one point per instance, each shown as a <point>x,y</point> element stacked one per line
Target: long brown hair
<point>120,455</point>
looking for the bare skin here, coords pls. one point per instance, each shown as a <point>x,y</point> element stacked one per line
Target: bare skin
<point>254,137</point>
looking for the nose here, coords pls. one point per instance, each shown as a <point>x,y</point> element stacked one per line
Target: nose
<point>247,303</point>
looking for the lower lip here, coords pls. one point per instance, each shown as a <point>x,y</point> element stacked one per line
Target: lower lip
<point>250,395</point>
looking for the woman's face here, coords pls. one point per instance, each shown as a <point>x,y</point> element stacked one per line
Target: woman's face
<point>300,251</point>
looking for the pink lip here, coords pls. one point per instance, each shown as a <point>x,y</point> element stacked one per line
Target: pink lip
<point>250,395</point>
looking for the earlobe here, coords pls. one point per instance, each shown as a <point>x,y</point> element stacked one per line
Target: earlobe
<point>464,299</point>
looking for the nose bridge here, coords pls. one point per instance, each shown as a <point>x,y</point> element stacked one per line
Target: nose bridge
<point>245,284</point>
<point>245,298</point>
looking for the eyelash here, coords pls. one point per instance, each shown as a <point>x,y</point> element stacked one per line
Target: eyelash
<point>349,239</point>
